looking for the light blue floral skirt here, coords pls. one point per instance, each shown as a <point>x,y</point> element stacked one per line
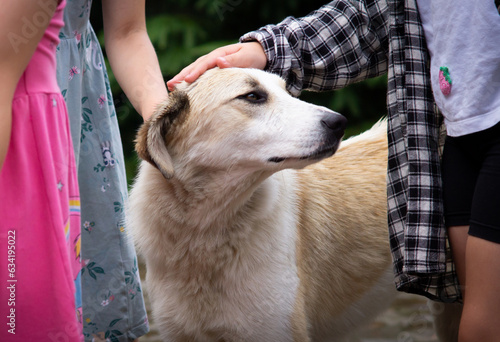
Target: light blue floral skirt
<point>113,304</point>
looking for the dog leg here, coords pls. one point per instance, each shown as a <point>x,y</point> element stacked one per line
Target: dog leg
<point>446,320</point>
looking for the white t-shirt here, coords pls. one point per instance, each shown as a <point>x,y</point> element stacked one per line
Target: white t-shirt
<point>463,37</point>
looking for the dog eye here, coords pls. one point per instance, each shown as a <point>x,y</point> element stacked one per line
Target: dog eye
<point>254,97</point>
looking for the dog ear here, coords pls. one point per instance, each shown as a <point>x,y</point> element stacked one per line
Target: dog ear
<point>151,138</point>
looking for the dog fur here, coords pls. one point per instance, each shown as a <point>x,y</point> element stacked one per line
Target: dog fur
<point>249,232</point>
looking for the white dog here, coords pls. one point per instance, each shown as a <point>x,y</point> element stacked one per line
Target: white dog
<point>248,232</point>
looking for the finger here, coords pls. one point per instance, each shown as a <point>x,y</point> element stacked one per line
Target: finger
<point>198,70</point>
<point>178,78</point>
<point>202,64</point>
<point>171,85</point>
<point>223,63</point>
<point>194,70</point>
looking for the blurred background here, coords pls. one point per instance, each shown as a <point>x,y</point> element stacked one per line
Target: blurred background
<point>183,30</point>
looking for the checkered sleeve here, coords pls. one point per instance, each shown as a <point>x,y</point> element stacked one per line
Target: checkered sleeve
<point>341,43</point>
<point>421,255</point>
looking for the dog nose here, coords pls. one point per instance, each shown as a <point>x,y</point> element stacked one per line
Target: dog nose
<point>334,122</point>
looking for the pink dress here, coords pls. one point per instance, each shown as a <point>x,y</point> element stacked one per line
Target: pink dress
<point>39,208</point>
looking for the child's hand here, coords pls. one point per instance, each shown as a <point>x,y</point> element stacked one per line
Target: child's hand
<point>241,55</point>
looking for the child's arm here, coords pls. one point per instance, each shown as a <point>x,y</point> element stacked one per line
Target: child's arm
<point>341,43</point>
<point>245,55</point>
<point>131,54</point>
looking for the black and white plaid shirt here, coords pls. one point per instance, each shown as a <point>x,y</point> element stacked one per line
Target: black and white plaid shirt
<point>347,41</point>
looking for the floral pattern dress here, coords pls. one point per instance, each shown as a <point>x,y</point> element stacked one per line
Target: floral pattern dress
<point>112,300</point>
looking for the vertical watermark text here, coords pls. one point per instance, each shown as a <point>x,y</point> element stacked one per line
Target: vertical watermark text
<point>11,281</point>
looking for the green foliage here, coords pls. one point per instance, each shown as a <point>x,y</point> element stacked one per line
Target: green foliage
<point>184,30</point>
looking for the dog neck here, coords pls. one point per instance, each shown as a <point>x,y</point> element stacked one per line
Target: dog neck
<point>210,216</point>
<point>213,198</point>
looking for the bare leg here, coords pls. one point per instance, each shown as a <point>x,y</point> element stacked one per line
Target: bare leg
<point>481,313</point>
<point>458,240</point>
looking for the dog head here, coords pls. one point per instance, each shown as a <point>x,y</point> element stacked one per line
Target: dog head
<point>237,118</point>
